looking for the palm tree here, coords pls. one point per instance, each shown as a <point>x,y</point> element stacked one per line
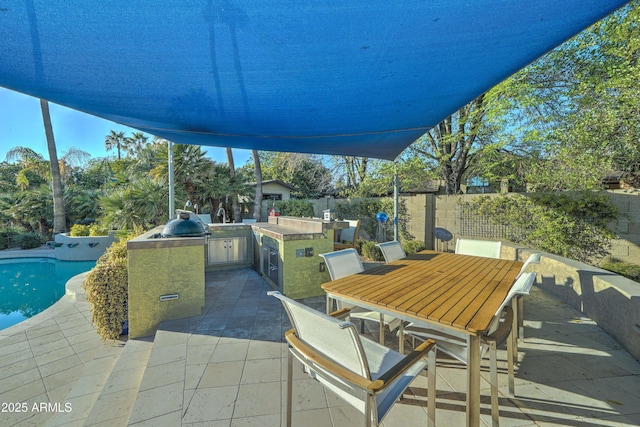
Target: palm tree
<point>70,159</point>
<point>136,143</point>
<point>234,196</point>
<point>257,203</point>
<point>59,217</point>
<point>115,140</point>
<point>31,165</point>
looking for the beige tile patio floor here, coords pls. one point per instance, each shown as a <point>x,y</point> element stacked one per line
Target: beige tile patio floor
<point>227,368</point>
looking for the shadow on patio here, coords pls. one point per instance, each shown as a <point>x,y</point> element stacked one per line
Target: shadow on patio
<point>227,368</point>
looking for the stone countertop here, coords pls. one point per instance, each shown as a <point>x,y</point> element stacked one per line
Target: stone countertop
<point>292,228</point>
<point>228,226</point>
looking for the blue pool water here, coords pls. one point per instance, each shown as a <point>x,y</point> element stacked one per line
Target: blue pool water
<point>31,285</point>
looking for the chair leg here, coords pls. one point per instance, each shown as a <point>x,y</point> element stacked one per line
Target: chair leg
<point>289,387</point>
<point>493,374</point>
<point>431,390</point>
<point>401,338</point>
<point>381,328</point>
<point>510,359</point>
<point>520,318</point>
<point>513,336</point>
<point>368,415</point>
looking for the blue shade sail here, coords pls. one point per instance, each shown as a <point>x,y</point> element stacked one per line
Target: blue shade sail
<point>362,78</point>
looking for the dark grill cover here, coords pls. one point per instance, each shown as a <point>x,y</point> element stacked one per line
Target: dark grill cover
<point>183,226</point>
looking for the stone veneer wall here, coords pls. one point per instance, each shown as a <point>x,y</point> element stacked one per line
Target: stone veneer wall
<point>164,267</point>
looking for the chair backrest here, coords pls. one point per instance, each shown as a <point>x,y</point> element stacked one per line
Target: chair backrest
<point>391,250</point>
<point>350,235</point>
<point>484,248</point>
<point>335,339</point>
<point>533,259</point>
<point>343,263</point>
<point>521,286</point>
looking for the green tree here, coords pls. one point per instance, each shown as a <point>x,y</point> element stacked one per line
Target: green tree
<point>306,172</point>
<point>578,106</point>
<point>453,144</point>
<point>33,167</point>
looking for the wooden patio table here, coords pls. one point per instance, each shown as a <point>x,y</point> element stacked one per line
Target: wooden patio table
<point>456,294</point>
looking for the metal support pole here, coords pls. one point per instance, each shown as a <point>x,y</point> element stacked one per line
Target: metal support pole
<point>395,201</point>
<point>171,183</point>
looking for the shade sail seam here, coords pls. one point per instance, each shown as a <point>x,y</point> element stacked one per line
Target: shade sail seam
<point>241,135</point>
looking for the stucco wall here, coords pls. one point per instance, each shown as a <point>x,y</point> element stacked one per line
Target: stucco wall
<point>81,248</point>
<point>609,299</point>
<point>163,267</point>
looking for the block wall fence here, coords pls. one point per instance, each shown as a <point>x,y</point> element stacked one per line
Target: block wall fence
<point>427,211</point>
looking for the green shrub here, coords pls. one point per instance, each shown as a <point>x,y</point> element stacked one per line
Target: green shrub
<point>413,246</point>
<point>366,210</point>
<point>78,230</point>
<point>371,252</point>
<point>107,286</point>
<point>626,269</point>
<point>31,240</point>
<point>98,230</point>
<point>570,225</point>
<point>295,207</point>
<point>9,237</point>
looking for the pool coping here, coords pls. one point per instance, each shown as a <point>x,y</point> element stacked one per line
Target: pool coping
<point>73,290</point>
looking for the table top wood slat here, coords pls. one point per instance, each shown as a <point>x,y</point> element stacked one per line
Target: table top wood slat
<point>460,291</point>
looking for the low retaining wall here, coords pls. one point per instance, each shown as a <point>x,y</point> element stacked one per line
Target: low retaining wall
<point>84,248</point>
<point>609,299</point>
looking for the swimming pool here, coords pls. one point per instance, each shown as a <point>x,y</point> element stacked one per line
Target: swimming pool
<point>29,286</point>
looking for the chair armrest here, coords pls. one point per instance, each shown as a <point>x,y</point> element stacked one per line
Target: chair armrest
<point>401,367</point>
<point>325,363</point>
<point>341,314</point>
<point>503,329</point>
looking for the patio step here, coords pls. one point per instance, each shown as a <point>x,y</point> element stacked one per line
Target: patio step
<point>86,389</point>
<point>114,403</point>
<point>160,395</point>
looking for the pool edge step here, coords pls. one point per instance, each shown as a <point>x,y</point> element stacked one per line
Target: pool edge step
<point>114,404</point>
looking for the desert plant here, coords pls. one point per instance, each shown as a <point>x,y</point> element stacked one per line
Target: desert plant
<point>106,286</point>
<point>78,230</point>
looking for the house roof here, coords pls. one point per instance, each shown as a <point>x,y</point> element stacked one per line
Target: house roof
<point>278,182</point>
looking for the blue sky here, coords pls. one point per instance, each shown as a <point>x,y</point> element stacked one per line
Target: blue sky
<point>21,125</point>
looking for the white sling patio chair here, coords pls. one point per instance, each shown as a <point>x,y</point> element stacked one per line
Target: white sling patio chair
<point>391,250</point>
<point>518,305</point>
<point>484,248</point>
<point>344,263</point>
<point>369,376</point>
<point>500,330</point>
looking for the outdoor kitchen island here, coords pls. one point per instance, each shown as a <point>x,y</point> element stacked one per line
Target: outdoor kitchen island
<point>166,270</point>
<point>286,253</point>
